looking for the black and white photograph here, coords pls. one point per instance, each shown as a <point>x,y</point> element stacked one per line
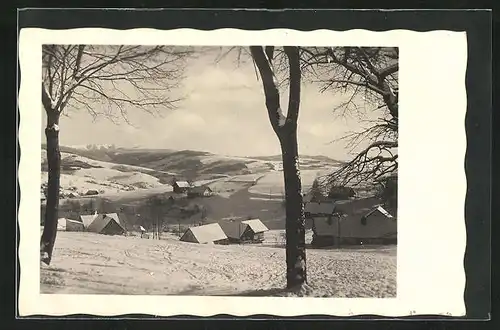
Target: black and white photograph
<point>230,169</point>
<point>212,170</point>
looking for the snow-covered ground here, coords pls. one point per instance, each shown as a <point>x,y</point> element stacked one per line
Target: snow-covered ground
<point>86,263</point>
<point>138,194</point>
<point>273,184</point>
<point>105,177</point>
<point>81,184</point>
<point>276,237</point>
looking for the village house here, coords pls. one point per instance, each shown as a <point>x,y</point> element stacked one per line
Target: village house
<point>70,167</point>
<point>205,234</point>
<point>181,187</point>
<point>257,229</point>
<point>108,224</point>
<point>200,191</point>
<point>92,192</point>
<point>236,231</point>
<point>248,231</point>
<point>65,224</point>
<point>362,221</point>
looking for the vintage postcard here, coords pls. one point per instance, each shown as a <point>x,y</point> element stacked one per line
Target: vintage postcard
<point>276,172</point>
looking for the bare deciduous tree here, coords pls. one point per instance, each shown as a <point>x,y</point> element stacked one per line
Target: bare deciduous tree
<point>285,128</point>
<point>369,77</point>
<point>104,80</point>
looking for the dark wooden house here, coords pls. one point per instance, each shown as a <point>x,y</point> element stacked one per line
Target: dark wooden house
<point>181,187</point>
<point>355,222</point>
<point>248,231</point>
<point>201,191</point>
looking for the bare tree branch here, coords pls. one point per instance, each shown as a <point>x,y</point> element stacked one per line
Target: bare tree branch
<point>126,77</point>
<point>370,164</point>
<point>371,72</point>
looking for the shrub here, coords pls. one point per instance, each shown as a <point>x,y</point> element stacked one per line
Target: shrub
<point>341,192</point>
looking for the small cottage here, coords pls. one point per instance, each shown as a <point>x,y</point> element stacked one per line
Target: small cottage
<point>181,187</point>
<point>205,234</point>
<point>362,221</point>
<point>248,231</point>
<point>201,191</point>
<point>257,229</point>
<point>236,231</point>
<point>107,224</point>
<point>92,192</point>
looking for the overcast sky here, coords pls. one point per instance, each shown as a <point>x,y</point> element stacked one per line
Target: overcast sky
<point>224,113</point>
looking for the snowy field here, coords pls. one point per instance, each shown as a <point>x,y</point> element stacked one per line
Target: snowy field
<point>105,177</point>
<point>86,263</point>
<point>272,184</point>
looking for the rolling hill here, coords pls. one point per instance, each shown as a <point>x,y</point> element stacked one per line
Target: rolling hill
<point>190,164</point>
<point>243,186</point>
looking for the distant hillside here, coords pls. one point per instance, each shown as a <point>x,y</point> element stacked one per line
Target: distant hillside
<point>308,158</point>
<point>190,164</point>
<point>79,174</point>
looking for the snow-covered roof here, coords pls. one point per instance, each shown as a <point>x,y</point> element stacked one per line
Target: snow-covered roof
<point>208,233</point>
<point>256,225</point>
<point>114,216</point>
<point>183,184</point>
<point>102,220</point>
<point>88,219</point>
<point>380,209</point>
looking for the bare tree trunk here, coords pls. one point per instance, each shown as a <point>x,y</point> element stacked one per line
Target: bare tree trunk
<point>158,227</point>
<point>286,131</point>
<point>54,163</point>
<point>295,230</point>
